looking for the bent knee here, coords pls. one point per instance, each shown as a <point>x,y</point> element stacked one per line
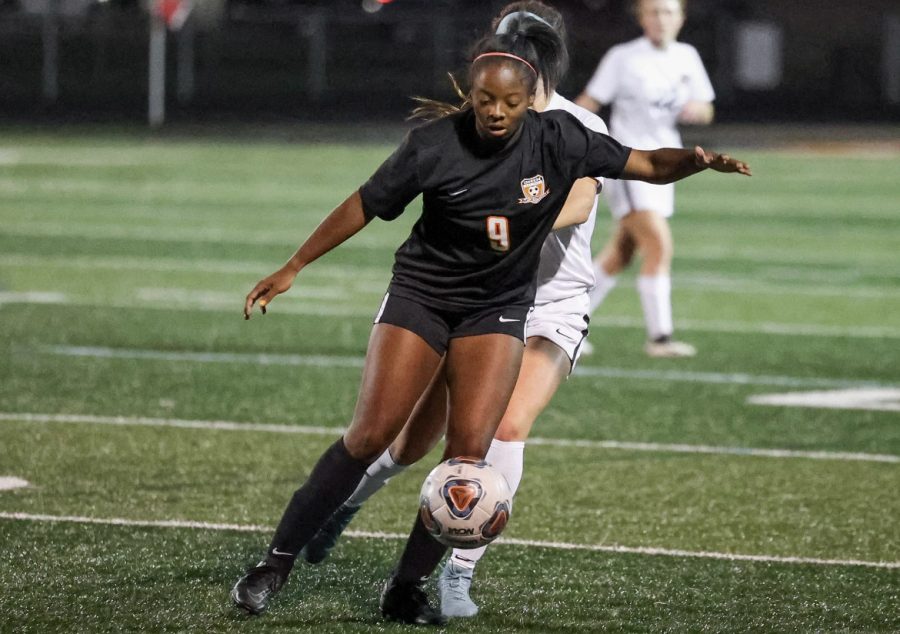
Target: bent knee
<point>367,442</point>
<point>515,426</point>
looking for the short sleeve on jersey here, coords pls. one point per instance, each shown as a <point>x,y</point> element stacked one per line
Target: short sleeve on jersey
<point>589,153</point>
<point>698,81</point>
<point>603,85</point>
<point>393,185</point>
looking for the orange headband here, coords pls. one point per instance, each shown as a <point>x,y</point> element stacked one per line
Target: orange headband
<point>510,55</point>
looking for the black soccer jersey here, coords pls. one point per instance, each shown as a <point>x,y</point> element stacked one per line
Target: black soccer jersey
<point>486,211</point>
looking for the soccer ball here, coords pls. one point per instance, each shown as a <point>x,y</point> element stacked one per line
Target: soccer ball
<point>465,503</point>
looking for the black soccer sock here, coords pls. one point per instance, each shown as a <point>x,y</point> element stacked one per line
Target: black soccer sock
<point>421,556</point>
<point>331,481</point>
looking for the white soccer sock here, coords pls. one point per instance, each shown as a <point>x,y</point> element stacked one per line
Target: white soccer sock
<point>603,284</point>
<point>507,457</point>
<point>656,300</point>
<point>377,475</point>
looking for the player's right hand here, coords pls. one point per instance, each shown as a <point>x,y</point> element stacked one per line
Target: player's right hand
<point>267,289</point>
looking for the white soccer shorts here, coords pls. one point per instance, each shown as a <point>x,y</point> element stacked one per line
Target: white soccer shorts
<point>623,197</point>
<point>564,322</point>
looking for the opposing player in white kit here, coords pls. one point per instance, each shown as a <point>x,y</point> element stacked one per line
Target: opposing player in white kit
<point>652,84</point>
<point>556,329</point>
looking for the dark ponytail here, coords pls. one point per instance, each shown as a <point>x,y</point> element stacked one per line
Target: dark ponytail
<point>545,28</point>
<point>538,42</point>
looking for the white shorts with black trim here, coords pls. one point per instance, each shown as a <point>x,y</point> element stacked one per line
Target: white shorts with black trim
<point>564,323</point>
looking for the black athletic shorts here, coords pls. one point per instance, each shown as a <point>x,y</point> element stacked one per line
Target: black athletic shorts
<point>437,327</point>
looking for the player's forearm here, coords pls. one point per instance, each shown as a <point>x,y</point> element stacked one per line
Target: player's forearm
<point>579,204</point>
<point>665,165</point>
<point>345,221</point>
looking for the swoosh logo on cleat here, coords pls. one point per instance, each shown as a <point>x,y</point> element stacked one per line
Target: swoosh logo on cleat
<point>257,597</point>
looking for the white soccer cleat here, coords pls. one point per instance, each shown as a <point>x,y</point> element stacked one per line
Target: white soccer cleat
<point>666,348</point>
<point>453,586</point>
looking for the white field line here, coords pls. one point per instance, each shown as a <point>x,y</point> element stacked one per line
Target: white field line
<point>32,297</point>
<point>225,298</point>
<point>316,361</point>
<point>872,399</point>
<point>798,205</point>
<point>710,283</point>
<point>220,425</point>
<point>733,288</point>
<point>732,378</point>
<point>216,235</point>
<point>137,232</point>
<point>711,449</point>
<point>85,157</point>
<point>10,157</point>
<point>255,267</point>
<point>296,305</point>
<point>345,361</point>
<point>155,299</point>
<point>527,543</point>
<point>765,327</point>
<point>139,421</point>
<point>798,284</point>
<point>8,483</point>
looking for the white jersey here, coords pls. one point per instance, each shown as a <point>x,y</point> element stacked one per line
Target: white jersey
<point>647,87</point>
<point>566,269</point>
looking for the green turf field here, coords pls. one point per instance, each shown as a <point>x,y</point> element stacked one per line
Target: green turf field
<point>161,435</point>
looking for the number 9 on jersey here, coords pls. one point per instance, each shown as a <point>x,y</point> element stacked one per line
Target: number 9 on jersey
<point>498,232</point>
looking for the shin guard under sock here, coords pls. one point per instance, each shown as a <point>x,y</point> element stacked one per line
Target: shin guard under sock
<point>331,481</point>
<point>421,556</point>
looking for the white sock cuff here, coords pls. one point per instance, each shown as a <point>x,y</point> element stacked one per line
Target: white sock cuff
<point>377,475</point>
<point>654,283</point>
<point>385,465</point>
<point>655,293</point>
<point>508,457</point>
<point>507,445</point>
<point>467,558</point>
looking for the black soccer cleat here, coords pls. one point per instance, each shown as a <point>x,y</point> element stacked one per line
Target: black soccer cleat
<point>252,591</point>
<point>322,543</point>
<point>406,602</point>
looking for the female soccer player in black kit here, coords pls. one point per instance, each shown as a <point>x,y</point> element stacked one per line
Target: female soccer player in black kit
<point>494,177</point>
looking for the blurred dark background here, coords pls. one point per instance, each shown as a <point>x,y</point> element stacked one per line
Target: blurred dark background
<point>361,60</point>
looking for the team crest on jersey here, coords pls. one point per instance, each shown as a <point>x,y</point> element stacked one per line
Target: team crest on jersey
<point>534,189</point>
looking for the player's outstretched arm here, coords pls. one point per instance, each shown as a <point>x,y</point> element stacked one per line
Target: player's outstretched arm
<point>667,165</point>
<point>342,223</point>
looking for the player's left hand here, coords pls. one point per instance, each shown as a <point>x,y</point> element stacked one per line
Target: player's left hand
<point>720,162</point>
<point>267,288</point>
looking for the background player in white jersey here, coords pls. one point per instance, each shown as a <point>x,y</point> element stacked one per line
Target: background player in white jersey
<point>556,329</point>
<point>652,84</point>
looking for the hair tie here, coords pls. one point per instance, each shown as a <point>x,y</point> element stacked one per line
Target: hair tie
<point>509,55</point>
<point>503,27</point>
